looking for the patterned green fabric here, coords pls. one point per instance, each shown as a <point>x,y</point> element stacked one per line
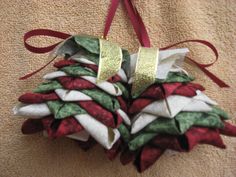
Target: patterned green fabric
<point>89,43</point>
<point>188,119</point>
<point>48,86</point>
<point>89,56</point>
<point>175,126</point>
<point>62,110</point>
<point>76,70</point>
<point>124,132</point>
<point>107,101</point>
<point>140,140</point>
<point>220,112</point>
<point>176,77</point>
<point>123,89</point>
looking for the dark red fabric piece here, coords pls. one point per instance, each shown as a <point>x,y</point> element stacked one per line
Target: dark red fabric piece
<point>31,126</point>
<point>114,151</point>
<point>75,83</point>
<point>156,92</point>
<point>31,98</point>
<point>101,114</point>
<point>229,129</point>
<point>200,135</point>
<point>63,62</point>
<point>188,89</point>
<point>168,142</point>
<point>127,156</point>
<point>147,157</point>
<point>55,128</point>
<point>139,104</point>
<point>86,145</point>
<point>63,127</point>
<point>123,104</point>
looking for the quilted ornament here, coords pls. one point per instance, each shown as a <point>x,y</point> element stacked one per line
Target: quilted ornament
<point>135,106</point>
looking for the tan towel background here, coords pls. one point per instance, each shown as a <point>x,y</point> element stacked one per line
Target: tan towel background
<point>167,22</point>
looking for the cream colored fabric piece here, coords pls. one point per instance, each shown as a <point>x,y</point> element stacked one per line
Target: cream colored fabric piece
<point>170,107</point>
<point>81,136</point>
<point>173,104</point>
<point>32,110</point>
<point>101,133</point>
<point>141,120</point>
<point>72,95</point>
<point>124,116</point>
<point>108,87</point>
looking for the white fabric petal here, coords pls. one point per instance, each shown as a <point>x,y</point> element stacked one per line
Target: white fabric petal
<point>54,75</point>
<point>174,104</point>
<point>71,95</point>
<point>141,121</point>
<point>81,136</point>
<point>124,116</point>
<point>106,86</point>
<point>197,106</point>
<point>201,96</point>
<point>79,58</point>
<point>32,110</point>
<point>104,135</point>
<point>122,75</point>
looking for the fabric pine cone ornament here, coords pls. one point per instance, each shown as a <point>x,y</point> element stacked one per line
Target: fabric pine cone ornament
<point>136,105</point>
<point>72,102</point>
<point>173,113</point>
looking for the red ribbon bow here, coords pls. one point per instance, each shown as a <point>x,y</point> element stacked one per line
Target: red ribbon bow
<point>140,31</point>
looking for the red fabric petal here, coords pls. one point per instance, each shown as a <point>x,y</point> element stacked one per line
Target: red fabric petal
<point>200,135</point>
<point>62,63</point>
<point>32,98</point>
<point>167,142</point>
<point>123,104</point>
<point>139,104</point>
<point>99,113</point>
<point>73,83</point>
<point>229,129</point>
<point>31,126</point>
<point>114,151</point>
<point>188,89</point>
<point>148,156</point>
<point>127,156</point>
<point>64,127</point>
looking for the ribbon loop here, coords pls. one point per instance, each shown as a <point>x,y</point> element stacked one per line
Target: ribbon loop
<point>43,32</point>
<point>202,66</point>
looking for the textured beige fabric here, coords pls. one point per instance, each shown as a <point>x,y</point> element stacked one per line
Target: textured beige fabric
<point>167,22</point>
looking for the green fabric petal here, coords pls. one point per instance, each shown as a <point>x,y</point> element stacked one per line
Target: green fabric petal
<point>220,112</point>
<point>176,77</point>
<point>188,119</point>
<point>107,101</point>
<point>124,90</point>
<point>48,86</point>
<point>76,70</point>
<point>89,56</point>
<point>140,140</point>
<point>126,62</point>
<point>163,125</point>
<point>89,43</point>
<point>124,132</point>
<point>62,110</point>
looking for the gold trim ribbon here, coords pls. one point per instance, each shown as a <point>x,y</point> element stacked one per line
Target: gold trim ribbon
<point>110,60</point>
<point>145,70</point>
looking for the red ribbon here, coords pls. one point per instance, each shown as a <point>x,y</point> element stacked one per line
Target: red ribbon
<point>140,31</point>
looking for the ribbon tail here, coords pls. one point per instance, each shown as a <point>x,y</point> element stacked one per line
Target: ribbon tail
<point>38,70</point>
<point>213,77</point>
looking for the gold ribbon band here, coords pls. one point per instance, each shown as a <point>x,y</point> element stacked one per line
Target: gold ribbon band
<point>145,70</point>
<point>110,60</point>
